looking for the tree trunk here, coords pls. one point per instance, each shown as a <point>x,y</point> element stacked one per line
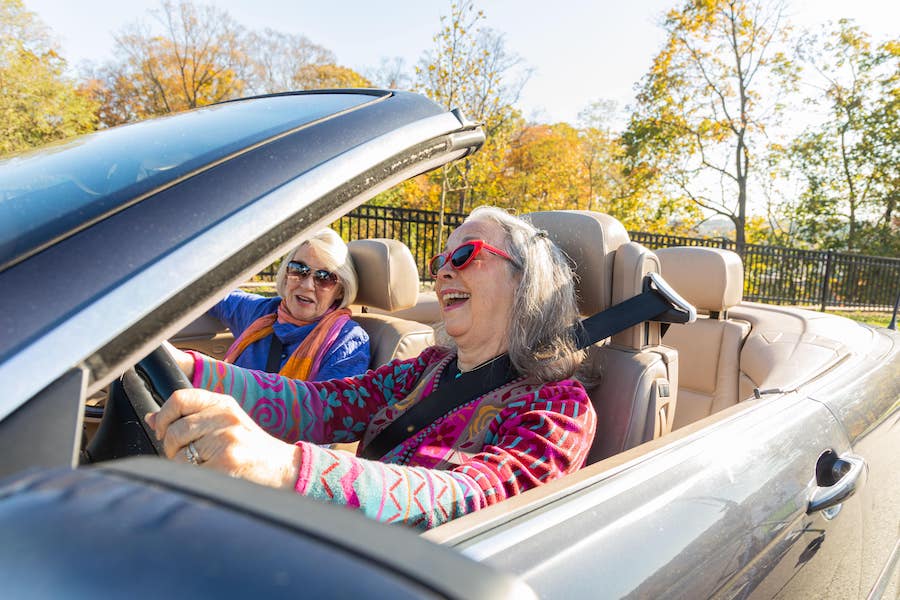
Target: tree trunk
<point>465,187</point>
<point>440,240</point>
<point>743,166</point>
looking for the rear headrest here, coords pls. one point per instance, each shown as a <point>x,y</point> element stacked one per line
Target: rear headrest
<point>590,240</point>
<point>387,273</point>
<point>711,279</point>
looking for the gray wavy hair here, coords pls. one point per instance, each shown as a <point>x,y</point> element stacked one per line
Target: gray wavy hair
<point>335,257</point>
<point>545,311</point>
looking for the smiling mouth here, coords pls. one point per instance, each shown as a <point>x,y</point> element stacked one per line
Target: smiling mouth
<point>304,300</point>
<point>454,299</point>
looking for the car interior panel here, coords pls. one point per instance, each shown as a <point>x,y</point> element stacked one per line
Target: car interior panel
<point>207,334</point>
<point>48,417</point>
<point>787,348</point>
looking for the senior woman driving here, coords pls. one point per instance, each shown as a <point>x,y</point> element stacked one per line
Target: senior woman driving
<point>305,332</point>
<point>504,288</point>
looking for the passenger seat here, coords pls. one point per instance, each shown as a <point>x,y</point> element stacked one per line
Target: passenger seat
<point>388,281</point>
<point>712,280</point>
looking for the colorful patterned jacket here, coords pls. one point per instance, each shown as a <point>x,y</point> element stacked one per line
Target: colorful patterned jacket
<point>509,440</point>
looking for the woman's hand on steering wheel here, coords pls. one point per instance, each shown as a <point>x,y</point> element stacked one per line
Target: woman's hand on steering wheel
<point>184,360</point>
<point>211,429</point>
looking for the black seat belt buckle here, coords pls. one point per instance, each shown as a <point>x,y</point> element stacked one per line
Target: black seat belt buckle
<point>681,310</point>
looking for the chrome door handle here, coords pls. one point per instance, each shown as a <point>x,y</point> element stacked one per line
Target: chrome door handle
<point>846,472</point>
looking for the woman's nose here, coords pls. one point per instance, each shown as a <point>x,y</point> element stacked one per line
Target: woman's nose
<point>306,283</point>
<point>445,271</point>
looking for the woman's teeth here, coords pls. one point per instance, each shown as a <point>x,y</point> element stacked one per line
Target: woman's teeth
<point>454,297</point>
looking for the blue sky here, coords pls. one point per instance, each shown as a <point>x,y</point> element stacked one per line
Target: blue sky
<point>581,50</point>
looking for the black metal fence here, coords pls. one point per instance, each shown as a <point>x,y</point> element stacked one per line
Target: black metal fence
<point>821,279</point>
<point>772,274</point>
<point>418,229</point>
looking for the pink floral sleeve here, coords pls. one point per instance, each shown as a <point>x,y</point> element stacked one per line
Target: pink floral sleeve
<point>321,412</point>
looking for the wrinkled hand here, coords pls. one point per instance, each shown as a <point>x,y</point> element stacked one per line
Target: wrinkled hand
<point>225,437</point>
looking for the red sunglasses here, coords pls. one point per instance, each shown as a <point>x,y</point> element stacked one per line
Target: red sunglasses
<point>464,254</point>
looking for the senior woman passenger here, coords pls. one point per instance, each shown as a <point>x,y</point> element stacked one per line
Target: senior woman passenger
<point>308,322</point>
<point>504,288</point>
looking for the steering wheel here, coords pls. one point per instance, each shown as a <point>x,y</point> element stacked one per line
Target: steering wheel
<point>140,390</point>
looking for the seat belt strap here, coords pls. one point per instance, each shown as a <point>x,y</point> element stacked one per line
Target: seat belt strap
<point>637,309</point>
<point>273,360</point>
<point>444,400</point>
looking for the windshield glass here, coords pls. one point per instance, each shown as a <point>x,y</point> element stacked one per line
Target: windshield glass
<point>60,188</point>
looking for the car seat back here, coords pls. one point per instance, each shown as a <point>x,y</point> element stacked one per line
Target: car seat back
<point>638,387</point>
<point>426,310</point>
<point>630,377</point>
<point>388,281</point>
<point>712,280</point>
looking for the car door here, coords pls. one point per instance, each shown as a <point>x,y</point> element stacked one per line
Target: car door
<point>721,511</point>
<point>868,406</point>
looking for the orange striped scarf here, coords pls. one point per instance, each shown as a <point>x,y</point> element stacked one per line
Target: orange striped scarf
<point>306,360</point>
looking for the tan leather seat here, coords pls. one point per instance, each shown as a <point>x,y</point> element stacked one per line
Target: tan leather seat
<point>388,281</point>
<point>426,310</point>
<point>709,348</point>
<point>635,397</point>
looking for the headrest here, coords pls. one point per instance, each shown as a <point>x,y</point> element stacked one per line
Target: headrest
<point>387,273</point>
<point>711,279</point>
<point>632,264</point>
<point>590,240</point>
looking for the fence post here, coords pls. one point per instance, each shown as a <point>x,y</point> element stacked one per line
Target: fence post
<point>893,323</point>
<point>826,281</point>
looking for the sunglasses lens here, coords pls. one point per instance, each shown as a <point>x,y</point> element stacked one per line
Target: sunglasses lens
<point>297,269</point>
<point>462,255</point>
<point>325,279</point>
<point>436,263</point>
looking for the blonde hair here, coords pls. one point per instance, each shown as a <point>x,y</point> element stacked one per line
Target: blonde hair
<point>335,257</point>
<point>544,315</point>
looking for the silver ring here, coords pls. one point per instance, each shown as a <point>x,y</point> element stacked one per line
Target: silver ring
<point>190,452</point>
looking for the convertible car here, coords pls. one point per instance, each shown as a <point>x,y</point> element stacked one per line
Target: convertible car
<point>750,453</point>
